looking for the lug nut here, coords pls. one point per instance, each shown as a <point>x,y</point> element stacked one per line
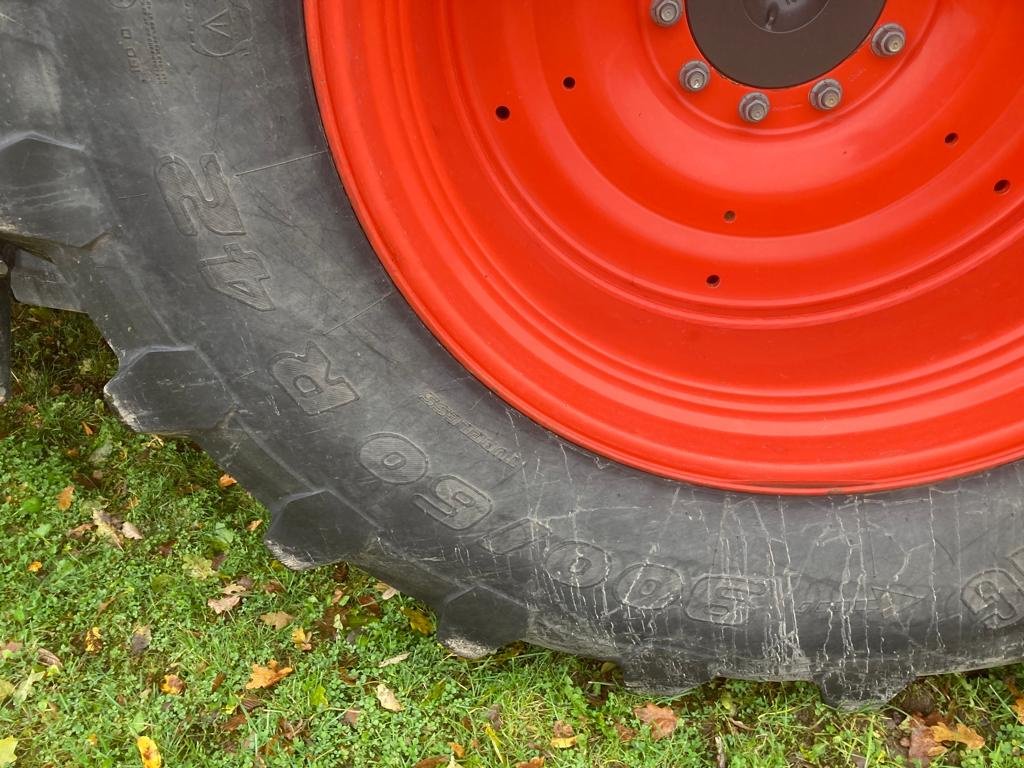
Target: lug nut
<point>754,107</point>
<point>889,40</point>
<point>695,76</point>
<point>826,95</point>
<point>666,12</point>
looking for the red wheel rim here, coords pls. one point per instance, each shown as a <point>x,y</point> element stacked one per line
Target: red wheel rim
<point>820,302</point>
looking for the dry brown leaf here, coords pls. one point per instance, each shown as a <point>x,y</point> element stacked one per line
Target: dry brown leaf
<point>253,525</point>
<point>235,588</point>
<point>48,658</point>
<point>386,590</point>
<point>301,639</point>
<point>226,481</point>
<point>105,527</point>
<point>431,762</point>
<point>457,749</point>
<point>87,429</point>
<point>351,716</point>
<point>223,604</point>
<point>533,762</point>
<point>93,640</point>
<point>140,640</point>
<point>959,735</point>
<point>564,737</point>
<point>172,685</point>
<point>34,567</point>
<point>662,720</point>
<point>264,677</point>
<point>79,531</point>
<point>277,619</point>
<point>394,660</point>
<point>129,531</point>
<point>65,497</point>
<point>387,699</point>
<point>148,752</point>
<point>1018,709</point>
<point>626,734</point>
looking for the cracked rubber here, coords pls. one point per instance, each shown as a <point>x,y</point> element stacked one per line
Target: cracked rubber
<point>174,173</point>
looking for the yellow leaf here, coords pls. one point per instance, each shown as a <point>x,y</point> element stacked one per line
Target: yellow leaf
<point>387,699</point>
<point>226,481</point>
<point>277,619</point>
<point>418,620</point>
<point>35,566</point>
<point>64,498</point>
<point>253,525</point>
<point>93,640</point>
<point>492,736</point>
<point>148,752</point>
<point>563,742</point>
<point>961,735</point>
<point>264,677</point>
<point>7,747</point>
<point>301,639</point>
<point>1018,709</point>
<point>172,685</point>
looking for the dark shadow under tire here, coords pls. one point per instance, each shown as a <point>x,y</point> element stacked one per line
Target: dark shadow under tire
<point>180,182</point>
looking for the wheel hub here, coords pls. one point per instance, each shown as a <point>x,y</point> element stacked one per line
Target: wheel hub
<point>780,43</point>
<point>827,299</point>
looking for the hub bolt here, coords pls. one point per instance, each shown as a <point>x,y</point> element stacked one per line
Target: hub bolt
<point>695,76</point>
<point>754,107</point>
<point>889,40</point>
<point>826,94</point>
<point>666,12</point>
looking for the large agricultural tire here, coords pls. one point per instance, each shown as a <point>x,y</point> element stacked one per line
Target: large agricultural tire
<point>169,159</point>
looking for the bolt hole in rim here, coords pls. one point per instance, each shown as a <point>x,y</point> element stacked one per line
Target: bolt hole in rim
<point>868,335</point>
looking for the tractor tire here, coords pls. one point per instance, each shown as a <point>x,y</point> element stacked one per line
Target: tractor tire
<point>168,162</point>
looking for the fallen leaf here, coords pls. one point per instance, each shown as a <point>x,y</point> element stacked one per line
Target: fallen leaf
<point>140,640</point>
<point>394,660</point>
<point>223,604</point>
<point>129,531</point>
<point>253,525</point>
<point>626,734</point>
<point>199,568</point>
<point>11,647</point>
<point>148,752</point>
<point>6,688</point>
<point>533,762</point>
<point>79,531</point>
<point>48,658</point>
<point>431,762</point>
<point>8,745</point>
<point>386,590</point>
<point>351,716</point>
<point>24,689</point>
<point>277,619</point>
<point>226,481</point>
<point>87,429</point>
<point>457,749</point>
<point>564,736</point>
<point>662,720</point>
<point>418,620</point>
<point>387,699</point>
<point>301,639</point>
<point>1018,709</point>
<point>93,640</point>
<point>922,746</point>
<point>218,681</point>
<point>34,567</point>
<point>236,588</point>
<point>264,677</point>
<point>959,735</point>
<point>105,526</point>
<point>65,497</point>
<point>172,685</point>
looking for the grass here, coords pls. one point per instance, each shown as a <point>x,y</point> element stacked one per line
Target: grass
<point>90,594</point>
